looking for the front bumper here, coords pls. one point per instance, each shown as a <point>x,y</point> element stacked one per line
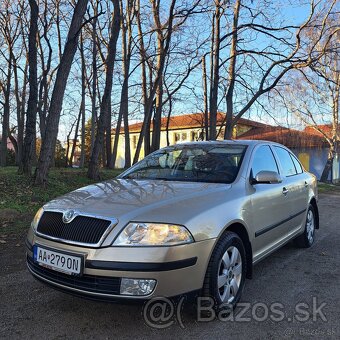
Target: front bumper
<point>177,269</point>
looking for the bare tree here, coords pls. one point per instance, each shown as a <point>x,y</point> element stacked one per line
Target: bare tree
<point>47,148</point>
<point>275,63</point>
<point>6,112</point>
<point>123,115</point>
<point>83,99</point>
<point>163,45</point>
<point>93,171</point>
<point>215,67</point>
<point>95,4</point>
<point>232,72</point>
<point>164,32</point>
<point>10,30</point>
<point>20,86</point>
<point>31,114</point>
<point>205,98</point>
<point>313,96</point>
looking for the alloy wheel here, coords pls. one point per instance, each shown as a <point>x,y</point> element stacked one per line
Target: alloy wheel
<point>310,226</point>
<point>229,274</point>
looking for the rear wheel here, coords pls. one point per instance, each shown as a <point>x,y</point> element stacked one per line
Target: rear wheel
<point>225,276</point>
<point>306,239</point>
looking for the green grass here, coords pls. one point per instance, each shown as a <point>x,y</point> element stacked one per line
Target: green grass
<point>325,188</point>
<point>20,199</point>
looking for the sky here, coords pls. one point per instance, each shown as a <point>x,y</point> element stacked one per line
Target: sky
<point>188,100</point>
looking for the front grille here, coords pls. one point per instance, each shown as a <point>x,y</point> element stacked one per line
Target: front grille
<point>89,283</point>
<point>81,229</point>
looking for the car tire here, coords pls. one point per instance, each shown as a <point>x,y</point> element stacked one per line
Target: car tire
<point>226,273</point>
<point>306,239</point>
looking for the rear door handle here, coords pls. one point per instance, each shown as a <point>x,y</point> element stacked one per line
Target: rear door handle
<point>285,191</point>
<point>306,184</point>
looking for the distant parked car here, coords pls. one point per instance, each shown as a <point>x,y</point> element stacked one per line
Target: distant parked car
<point>189,217</point>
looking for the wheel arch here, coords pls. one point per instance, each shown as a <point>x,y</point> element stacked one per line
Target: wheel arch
<point>316,210</point>
<point>239,228</point>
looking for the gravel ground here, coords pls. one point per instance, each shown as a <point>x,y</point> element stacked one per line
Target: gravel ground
<point>294,279</point>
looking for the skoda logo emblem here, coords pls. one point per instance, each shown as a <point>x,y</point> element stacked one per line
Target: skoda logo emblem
<point>68,216</point>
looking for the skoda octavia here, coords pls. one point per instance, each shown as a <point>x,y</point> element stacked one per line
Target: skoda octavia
<point>192,217</point>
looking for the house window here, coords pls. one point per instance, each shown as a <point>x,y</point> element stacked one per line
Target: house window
<point>180,137</point>
<point>195,136</point>
<point>177,137</point>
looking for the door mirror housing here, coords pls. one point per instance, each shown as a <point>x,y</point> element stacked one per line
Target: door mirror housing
<point>266,177</point>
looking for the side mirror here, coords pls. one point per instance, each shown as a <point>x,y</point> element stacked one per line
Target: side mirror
<point>267,177</point>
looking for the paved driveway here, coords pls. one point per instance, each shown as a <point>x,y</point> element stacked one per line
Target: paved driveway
<point>291,285</point>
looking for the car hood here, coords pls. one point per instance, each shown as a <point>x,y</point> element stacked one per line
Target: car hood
<point>141,200</point>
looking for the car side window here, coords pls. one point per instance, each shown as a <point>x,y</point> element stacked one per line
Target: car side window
<point>297,164</point>
<point>288,167</point>
<point>263,160</point>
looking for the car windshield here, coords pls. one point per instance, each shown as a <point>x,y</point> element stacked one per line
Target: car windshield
<point>191,163</point>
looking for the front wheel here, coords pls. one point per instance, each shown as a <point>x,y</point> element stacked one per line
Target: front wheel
<point>306,239</point>
<point>225,276</point>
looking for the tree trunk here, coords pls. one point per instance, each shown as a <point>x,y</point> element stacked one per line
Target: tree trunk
<point>124,96</point>
<point>142,54</point>
<point>67,150</point>
<point>145,133</point>
<point>329,164</point>
<point>215,74</point>
<point>32,106</point>
<point>205,99</point>
<point>21,120</point>
<point>124,101</point>
<point>116,140</point>
<point>94,78</point>
<point>75,138</point>
<point>5,119</point>
<point>68,138</point>
<point>127,136</point>
<point>108,138</point>
<point>19,98</point>
<point>228,132</point>
<point>335,95</point>
<point>43,97</point>
<point>48,144</point>
<point>127,59</point>
<point>156,128</point>
<point>93,171</point>
<point>83,94</point>
<point>149,106</point>
<point>168,118</point>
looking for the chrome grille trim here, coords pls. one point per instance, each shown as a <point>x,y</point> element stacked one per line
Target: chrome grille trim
<point>113,222</point>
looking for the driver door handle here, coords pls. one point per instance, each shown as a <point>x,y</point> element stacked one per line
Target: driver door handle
<point>285,191</point>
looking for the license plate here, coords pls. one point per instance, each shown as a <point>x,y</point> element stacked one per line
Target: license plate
<point>58,261</point>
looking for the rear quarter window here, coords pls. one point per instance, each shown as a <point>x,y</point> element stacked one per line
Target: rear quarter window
<point>297,164</point>
<point>287,164</point>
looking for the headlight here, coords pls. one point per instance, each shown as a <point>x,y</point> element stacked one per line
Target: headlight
<point>152,234</point>
<point>36,219</point>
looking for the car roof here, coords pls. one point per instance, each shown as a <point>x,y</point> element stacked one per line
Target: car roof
<point>230,141</point>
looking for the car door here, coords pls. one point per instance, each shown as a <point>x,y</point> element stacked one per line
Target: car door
<point>270,208</point>
<point>295,181</point>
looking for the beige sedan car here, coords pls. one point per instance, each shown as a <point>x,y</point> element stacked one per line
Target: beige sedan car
<point>192,217</point>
